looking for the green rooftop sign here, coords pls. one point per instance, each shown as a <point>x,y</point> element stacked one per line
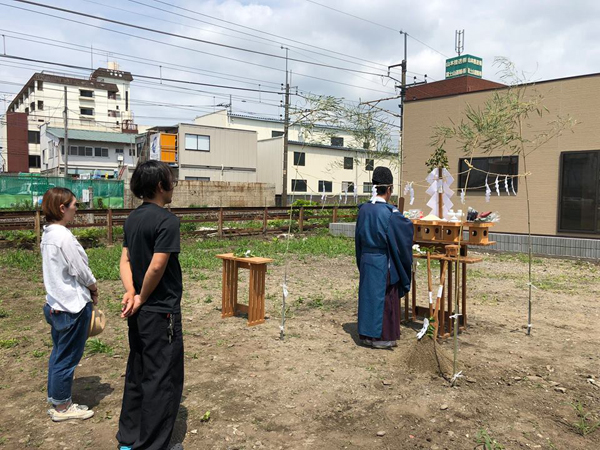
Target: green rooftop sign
<point>463,65</point>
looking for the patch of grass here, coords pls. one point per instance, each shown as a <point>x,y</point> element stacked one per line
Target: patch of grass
<point>94,346</point>
<point>38,353</point>
<point>3,313</point>
<point>208,299</point>
<point>486,442</point>
<point>585,423</point>
<point>8,343</point>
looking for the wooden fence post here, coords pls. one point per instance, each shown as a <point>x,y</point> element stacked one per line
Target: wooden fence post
<point>220,222</point>
<point>37,227</point>
<point>265,220</point>
<point>109,224</point>
<point>301,219</point>
<point>335,214</point>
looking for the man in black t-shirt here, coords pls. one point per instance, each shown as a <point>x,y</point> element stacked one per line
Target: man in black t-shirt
<point>151,276</point>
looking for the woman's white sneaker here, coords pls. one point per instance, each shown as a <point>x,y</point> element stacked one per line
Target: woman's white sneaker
<point>74,411</point>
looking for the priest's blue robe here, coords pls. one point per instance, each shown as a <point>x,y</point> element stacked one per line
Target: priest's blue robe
<point>383,239</point>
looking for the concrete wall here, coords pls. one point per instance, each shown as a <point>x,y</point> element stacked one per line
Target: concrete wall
<point>215,193</point>
<point>578,97</point>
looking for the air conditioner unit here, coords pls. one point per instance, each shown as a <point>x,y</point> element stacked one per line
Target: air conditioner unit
<point>120,158</point>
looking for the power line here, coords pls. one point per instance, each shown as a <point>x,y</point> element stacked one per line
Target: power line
<point>180,36</point>
<point>249,28</point>
<point>377,24</point>
<point>149,77</point>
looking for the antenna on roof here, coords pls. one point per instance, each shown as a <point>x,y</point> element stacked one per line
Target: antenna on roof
<point>459,41</point>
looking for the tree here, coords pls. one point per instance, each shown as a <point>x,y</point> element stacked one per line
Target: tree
<point>503,126</point>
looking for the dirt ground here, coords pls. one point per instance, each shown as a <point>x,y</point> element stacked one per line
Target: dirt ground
<point>319,388</point>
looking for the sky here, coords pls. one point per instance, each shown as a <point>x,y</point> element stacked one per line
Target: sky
<point>544,39</point>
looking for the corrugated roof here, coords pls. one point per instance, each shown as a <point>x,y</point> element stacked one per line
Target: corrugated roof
<point>97,136</point>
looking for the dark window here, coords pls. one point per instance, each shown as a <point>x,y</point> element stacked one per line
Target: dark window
<point>367,188</point>
<point>101,152</point>
<point>348,163</point>
<point>73,150</point>
<point>299,185</point>
<point>503,165</point>
<point>26,110</point>
<point>81,150</point>
<point>198,178</point>
<point>86,93</point>
<point>40,85</point>
<point>86,111</point>
<point>369,164</point>
<point>89,151</point>
<point>119,151</point>
<point>277,133</point>
<point>113,113</point>
<point>325,186</point>
<point>126,100</point>
<point>347,186</point>
<point>34,161</point>
<point>112,95</point>
<point>579,189</point>
<point>299,158</point>
<point>337,142</point>
<point>33,137</point>
<point>40,105</point>
<point>32,106</point>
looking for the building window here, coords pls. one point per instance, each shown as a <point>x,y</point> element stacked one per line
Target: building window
<point>369,164</point>
<point>119,151</point>
<point>112,95</point>
<point>503,165</point>
<point>299,158</point>
<point>113,113</point>
<point>34,161</point>
<point>579,191</point>
<point>367,188</point>
<point>347,186</point>
<point>26,110</point>
<point>348,162</point>
<point>40,85</point>
<point>32,106</point>
<point>325,186</point>
<point>86,111</point>
<point>33,137</point>
<point>40,105</point>
<point>197,142</point>
<point>337,141</point>
<point>86,93</point>
<point>72,150</point>
<point>276,133</point>
<point>89,151</point>
<point>101,152</point>
<point>197,178</point>
<point>299,185</point>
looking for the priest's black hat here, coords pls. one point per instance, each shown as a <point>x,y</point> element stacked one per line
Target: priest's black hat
<point>382,176</point>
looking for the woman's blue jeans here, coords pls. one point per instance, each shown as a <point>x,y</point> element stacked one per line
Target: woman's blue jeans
<point>69,333</point>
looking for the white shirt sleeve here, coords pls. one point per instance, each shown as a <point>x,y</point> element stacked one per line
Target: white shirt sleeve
<point>77,261</point>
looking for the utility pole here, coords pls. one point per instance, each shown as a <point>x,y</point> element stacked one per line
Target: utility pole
<point>286,125</point>
<point>66,140</point>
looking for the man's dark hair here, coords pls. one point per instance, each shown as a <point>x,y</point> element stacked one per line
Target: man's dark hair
<point>383,179</point>
<point>148,176</point>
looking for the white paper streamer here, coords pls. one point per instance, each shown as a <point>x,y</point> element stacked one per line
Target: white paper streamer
<point>373,195</point>
<point>488,191</point>
<point>340,197</point>
<point>412,194</point>
<point>462,196</point>
<point>285,291</point>
<point>440,291</point>
<point>424,329</point>
<point>506,184</point>
<point>497,186</point>
<point>310,198</point>
<point>345,197</point>
<point>430,298</point>
<point>456,376</point>
<point>454,316</point>
<point>512,185</point>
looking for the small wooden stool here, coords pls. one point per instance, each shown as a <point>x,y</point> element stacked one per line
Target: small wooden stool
<point>256,300</point>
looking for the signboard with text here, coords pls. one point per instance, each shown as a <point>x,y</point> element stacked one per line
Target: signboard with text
<point>463,65</point>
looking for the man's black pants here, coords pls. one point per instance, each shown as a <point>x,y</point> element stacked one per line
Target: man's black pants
<point>153,381</point>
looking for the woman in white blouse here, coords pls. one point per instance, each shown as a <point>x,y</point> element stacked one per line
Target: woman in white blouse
<point>71,290</point>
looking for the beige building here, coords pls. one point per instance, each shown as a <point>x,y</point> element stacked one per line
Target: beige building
<point>564,184</point>
<point>318,169</point>
<point>207,153</point>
